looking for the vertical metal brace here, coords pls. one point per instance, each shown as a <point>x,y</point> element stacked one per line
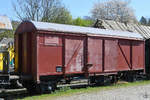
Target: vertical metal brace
<point>131,54</point>
<point>6,62</point>
<point>103,55</point>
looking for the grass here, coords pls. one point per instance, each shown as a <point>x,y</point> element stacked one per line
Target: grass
<point>68,92</point>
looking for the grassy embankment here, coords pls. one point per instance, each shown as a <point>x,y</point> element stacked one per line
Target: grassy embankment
<point>68,92</point>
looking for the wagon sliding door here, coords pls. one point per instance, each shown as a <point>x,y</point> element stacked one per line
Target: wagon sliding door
<point>95,53</point>
<point>74,59</point>
<point>110,55</point>
<point>102,54</point>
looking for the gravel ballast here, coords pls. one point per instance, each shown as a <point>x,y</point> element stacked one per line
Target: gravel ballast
<point>126,93</point>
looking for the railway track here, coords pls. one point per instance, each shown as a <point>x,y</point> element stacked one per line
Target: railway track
<point>9,94</point>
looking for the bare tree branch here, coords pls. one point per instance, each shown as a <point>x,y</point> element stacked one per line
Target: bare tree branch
<point>42,10</point>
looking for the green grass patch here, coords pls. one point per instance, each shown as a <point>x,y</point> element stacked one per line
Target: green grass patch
<point>66,91</point>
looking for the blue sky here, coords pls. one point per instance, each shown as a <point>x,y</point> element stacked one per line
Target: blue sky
<point>80,8</point>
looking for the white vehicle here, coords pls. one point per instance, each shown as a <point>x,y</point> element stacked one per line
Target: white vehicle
<point>5,24</point>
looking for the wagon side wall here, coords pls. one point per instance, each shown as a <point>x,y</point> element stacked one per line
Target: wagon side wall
<point>109,55</point>
<point>71,55</point>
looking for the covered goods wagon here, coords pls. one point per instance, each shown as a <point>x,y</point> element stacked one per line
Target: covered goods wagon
<point>46,53</point>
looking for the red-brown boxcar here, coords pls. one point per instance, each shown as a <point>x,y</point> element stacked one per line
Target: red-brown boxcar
<point>46,53</point>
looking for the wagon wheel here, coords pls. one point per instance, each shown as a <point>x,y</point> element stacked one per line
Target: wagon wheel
<point>30,86</point>
<point>114,79</point>
<point>46,88</point>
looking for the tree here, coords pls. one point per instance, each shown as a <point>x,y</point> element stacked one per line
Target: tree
<point>82,22</point>
<point>148,23</point>
<point>10,33</point>
<point>143,21</point>
<point>62,16</point>
<point>116,10</point>
<point>42,10</point>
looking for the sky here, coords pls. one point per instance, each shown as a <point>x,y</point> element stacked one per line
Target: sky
<point>80,8</point>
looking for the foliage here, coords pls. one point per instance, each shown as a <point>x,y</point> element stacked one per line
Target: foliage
<point>7,34</point>
<point>82,22</point>
<point>63,16</point>
<point>143,21</point>
<point>42,10</point>
<point>148,23</point>
<point>10,33</point>
<point>116,10</point>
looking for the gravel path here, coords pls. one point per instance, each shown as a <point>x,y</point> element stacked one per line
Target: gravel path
<point>128,93</point>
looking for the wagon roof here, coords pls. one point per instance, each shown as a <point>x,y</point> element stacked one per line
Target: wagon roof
<point>30,26</point>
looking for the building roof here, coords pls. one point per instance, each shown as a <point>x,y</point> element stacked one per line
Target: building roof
<point>5,23</point>
<point>30,26</point>
<point>113,25</point>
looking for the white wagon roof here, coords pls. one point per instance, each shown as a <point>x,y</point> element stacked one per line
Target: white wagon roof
<point>78,29</point>
<point>5,23</point>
